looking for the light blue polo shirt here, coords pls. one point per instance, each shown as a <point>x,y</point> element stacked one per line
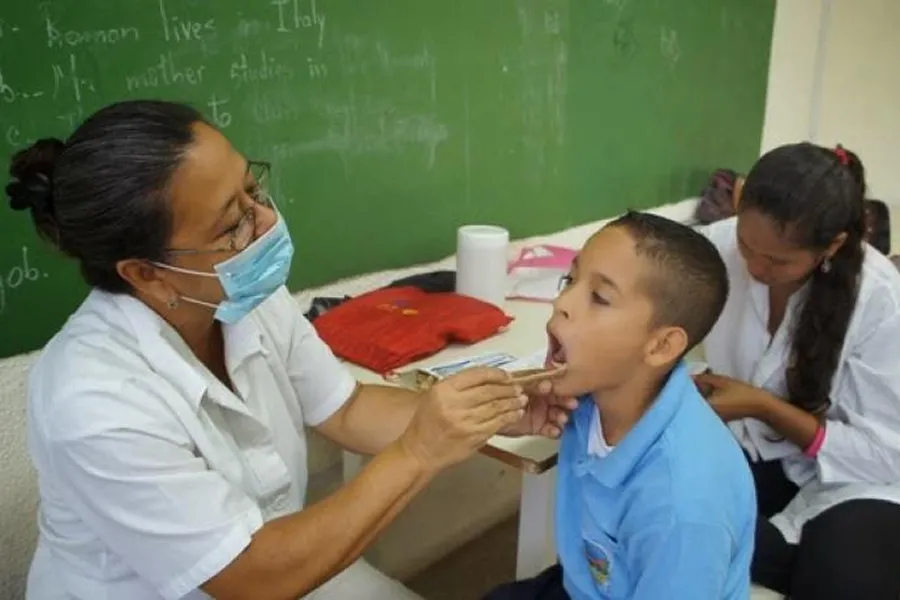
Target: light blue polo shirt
<point>670,512</point>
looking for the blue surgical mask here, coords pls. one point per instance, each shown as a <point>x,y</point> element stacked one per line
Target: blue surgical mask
<point>249,277</point>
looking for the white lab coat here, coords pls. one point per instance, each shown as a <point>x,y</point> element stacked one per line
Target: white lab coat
<point>153,475</point>
<point>860,456</point>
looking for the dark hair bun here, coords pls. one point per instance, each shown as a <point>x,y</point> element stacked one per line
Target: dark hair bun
<point>31,171</point>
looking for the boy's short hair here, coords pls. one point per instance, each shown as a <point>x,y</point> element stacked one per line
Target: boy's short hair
<point>689,283</point>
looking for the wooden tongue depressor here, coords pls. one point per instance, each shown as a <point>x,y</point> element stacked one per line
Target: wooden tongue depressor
<point>531,375</point>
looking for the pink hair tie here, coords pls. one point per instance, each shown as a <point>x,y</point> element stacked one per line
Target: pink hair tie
<point>842,155</point>
<point>813,449</point>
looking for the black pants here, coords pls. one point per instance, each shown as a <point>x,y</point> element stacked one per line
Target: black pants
<point>546,586</point>
<point>850,551</point>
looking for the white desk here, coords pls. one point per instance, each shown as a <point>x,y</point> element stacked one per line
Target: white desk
<point>534,456</point>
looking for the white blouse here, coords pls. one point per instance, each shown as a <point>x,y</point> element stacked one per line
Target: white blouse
<point>860,456</point>
<point>153,475</point>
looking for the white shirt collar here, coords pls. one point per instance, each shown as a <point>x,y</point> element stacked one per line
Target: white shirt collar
<point>168,353</point>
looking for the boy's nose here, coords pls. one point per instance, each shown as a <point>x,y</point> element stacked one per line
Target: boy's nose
<point>560,311</point>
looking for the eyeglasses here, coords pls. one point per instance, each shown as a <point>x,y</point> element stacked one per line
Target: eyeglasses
<point>244,231</point>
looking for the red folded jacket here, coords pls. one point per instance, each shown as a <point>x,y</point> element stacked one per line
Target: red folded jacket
<point>392,327</point>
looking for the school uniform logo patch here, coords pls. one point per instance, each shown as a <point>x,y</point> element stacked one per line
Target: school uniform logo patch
<point>599,562</point>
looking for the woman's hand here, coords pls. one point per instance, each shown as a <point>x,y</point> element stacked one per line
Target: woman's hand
<point>732,399</point>
<point>458,415</point>
<point>546,413</point>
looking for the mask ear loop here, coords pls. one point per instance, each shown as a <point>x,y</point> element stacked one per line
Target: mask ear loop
<point>174,303</point>
<point>175,269</point>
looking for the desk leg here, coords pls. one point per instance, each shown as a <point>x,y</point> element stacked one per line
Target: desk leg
<point>536,549</point>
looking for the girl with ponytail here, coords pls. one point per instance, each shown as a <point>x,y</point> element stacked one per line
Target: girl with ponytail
<point>805,368</point>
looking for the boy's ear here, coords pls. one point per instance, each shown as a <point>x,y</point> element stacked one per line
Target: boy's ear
<point>665,345</point>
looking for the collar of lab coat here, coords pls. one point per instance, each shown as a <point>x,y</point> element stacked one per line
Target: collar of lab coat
<point>167,353</point>
<point>777,353</point>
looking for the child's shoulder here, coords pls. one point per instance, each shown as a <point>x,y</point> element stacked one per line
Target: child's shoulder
<point>702,467</point>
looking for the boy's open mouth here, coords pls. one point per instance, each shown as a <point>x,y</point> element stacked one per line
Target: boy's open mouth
<point>556,353</point>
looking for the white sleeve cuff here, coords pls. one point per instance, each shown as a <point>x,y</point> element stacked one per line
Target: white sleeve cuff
<point>323,410</point>
<point>235,542</point>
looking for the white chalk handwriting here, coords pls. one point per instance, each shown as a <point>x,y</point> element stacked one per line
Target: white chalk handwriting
<point>294,16</point>
<point>177,29</point>
<point>60,37</point>
<point>165,72</point>
<point>258,68</point>
<point>21,273</point>
<point>669,46</point>
<point>67,76</point>
<point>220,117</point>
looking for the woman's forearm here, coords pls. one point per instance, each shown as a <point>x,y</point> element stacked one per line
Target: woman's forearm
<point>374,417</point>
<point>795,424</point>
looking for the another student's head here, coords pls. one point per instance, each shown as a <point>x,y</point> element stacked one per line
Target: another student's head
<point>878,225</point>
<point>643,291</point>
<point>802,219</point>
<point>138,185</point>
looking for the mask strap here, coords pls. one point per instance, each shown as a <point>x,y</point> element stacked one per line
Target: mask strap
<point>190,300</point>
<point>183,271</point>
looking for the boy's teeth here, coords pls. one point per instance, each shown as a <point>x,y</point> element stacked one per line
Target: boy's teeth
<point>558,359</point>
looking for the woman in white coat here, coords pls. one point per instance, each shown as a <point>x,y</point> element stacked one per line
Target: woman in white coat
<point>805,366</point>
<point>166,419</point>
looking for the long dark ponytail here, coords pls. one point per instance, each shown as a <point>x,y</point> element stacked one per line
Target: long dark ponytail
<point>815,194</point>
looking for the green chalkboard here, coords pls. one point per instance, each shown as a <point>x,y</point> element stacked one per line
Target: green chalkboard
<point>390,123</point>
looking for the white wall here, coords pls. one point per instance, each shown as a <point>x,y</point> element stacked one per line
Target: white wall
<point>860,99</point>
<point>835,78</point>
<point>792,72</point>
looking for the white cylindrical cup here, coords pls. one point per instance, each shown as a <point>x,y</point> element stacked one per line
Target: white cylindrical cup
<point>481,255</point>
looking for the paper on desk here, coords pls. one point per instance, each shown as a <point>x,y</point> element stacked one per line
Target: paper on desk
<point>537,272</point>
<point>540,285</point>
<point>425,377</point>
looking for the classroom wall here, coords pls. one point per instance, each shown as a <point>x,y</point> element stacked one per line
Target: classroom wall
<point>833,77</point>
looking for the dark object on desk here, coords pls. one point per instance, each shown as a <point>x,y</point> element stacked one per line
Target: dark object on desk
<point>322,305</point>
<point>433,282</point>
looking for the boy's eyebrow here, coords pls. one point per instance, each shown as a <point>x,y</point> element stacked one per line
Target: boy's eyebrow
<point>597,276</point>
<point>605,280</point>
